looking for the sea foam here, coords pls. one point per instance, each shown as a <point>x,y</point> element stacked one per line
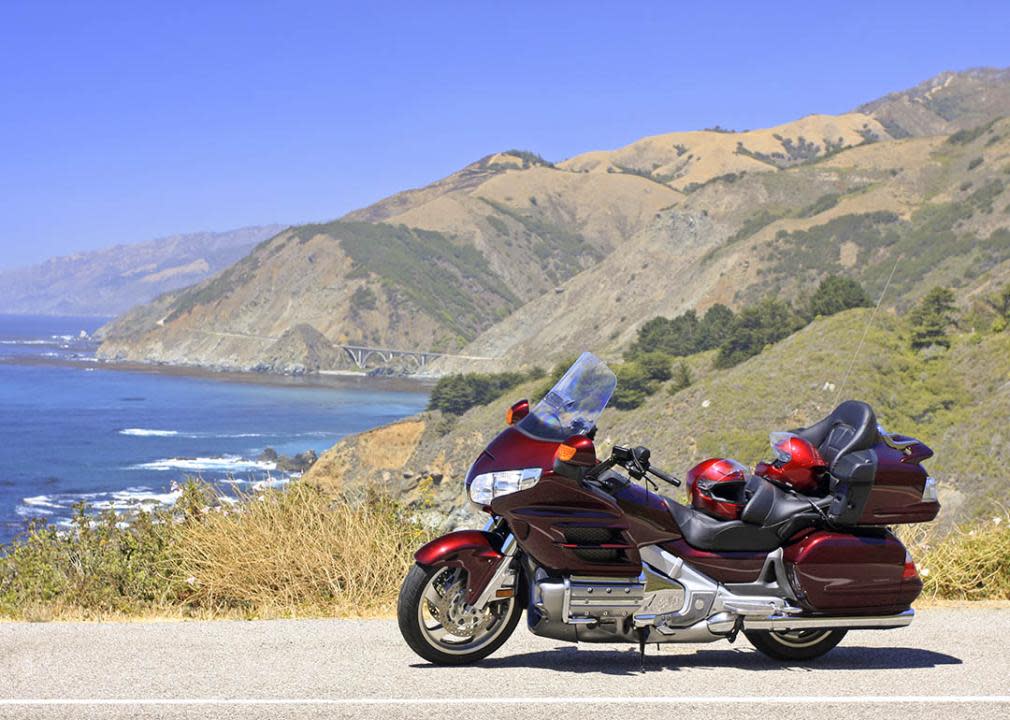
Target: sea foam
<point>146,432</point>
<point>226,463</point>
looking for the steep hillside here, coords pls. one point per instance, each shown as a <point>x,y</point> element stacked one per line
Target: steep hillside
<point>934,209</point>
<point>944,104</point>
<point>456,259</point>
<point>957,401</point>
<point>110,281</point>
<point>517,261</point>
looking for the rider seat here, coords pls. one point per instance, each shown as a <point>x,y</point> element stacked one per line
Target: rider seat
<point>770,517</point>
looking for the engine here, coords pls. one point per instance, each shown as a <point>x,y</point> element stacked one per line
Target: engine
<point>675,604</point>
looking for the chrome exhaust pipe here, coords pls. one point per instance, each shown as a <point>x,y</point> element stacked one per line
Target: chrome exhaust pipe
<point>865,622</point>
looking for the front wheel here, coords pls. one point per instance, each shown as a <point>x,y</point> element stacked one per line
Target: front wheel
<point>439,626</point>
<point>793,645</point>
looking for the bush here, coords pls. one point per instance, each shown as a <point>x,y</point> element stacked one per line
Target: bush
<point>963,137</point>
<point>684,334</point>
<point>656,366</point>
<point>822,204</point>
<point>681,378</point>
<point>757,325</point>
<point>633,386</point>
<point>673,336</point>
<point>363,298</point>
<point>455,394</point>
<point>836,294</point>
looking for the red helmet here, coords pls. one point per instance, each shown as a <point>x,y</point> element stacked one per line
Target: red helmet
<point>797,463</point>
<point>716,487</point>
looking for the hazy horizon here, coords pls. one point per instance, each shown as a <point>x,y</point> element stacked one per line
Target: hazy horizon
<point>133,124</point>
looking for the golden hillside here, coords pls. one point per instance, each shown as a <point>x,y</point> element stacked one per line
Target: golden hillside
<point>520,260</point>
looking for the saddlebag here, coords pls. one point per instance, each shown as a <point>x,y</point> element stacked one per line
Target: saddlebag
<point>838,572</point>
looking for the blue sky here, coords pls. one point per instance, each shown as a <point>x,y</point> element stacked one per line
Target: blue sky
<point>121,122</point>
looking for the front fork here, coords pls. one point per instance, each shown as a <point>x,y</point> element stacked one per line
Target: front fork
<point>487,557</point>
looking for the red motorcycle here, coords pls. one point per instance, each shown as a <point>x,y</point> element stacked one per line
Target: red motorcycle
<point>793,556</point>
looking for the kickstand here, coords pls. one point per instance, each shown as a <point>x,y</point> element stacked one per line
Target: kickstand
<point>642,633</point>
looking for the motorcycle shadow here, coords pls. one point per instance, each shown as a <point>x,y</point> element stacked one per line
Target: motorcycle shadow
<point>628,662</point>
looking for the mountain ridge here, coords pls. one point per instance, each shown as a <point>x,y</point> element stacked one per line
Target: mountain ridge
<point>499,258</point>
<point>111,280</point>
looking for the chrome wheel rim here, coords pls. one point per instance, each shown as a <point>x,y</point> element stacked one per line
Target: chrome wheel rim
<point>799,638</point>
<point>451,626</point>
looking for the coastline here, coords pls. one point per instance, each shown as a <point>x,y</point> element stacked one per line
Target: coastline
<point>323,379</point>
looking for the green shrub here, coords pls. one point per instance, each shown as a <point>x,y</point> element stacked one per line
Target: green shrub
<point>684,334</point>
<point>836,294</point>
<point>757,325</point>
<point>963,137</point>
<point>455,394</point>
<point>656,366</point>
<point>681,378</point>
<point>364,298</point>
<point>759,220</point>
<point>634,385</point>
<point>822,204</point>
<point>975,162</point>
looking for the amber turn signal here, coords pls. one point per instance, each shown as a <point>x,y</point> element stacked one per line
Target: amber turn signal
<point>517,412</point>
<point>565,453</point>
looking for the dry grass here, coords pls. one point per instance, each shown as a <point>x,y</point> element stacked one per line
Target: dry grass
<point>972,562</point>
<point>292,553</point>
<point>297,552</point>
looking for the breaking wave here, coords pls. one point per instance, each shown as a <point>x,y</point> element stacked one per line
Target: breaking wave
<point>223,464</point>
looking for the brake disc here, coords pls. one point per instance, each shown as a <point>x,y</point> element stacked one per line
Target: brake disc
<point>456,616</point>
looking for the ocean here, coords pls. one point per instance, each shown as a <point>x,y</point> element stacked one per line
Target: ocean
<point>73,429</point>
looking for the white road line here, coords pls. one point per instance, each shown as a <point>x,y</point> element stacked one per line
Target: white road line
<point>607,700</point>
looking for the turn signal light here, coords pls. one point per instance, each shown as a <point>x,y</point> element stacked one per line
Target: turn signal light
<point>517,412</point>
<point>577,450</point>
<point>566,453</point>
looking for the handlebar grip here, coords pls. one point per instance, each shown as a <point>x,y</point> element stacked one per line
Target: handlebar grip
<point>664,477</point>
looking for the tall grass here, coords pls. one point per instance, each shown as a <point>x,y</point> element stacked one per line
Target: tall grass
<point>971,562</point>
<point>296,552</point>
<point>273,554</point>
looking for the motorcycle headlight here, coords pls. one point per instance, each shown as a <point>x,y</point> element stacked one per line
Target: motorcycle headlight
<point>486,487</point>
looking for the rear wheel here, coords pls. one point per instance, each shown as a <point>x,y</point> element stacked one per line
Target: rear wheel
<point>439,626</point>
<point>794,644</point>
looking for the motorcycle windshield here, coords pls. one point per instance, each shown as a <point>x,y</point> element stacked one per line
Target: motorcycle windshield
<point>574,404</point>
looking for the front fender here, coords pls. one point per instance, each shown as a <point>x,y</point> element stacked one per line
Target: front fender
<point>471,550</point>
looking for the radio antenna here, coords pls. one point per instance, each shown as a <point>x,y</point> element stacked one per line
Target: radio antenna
<point>866,330</point>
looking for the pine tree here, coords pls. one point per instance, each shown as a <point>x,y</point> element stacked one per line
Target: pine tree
<point>931,318</point>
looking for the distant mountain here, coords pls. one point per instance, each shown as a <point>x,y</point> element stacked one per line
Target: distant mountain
<point>112,280</point>
<point>525,261</point>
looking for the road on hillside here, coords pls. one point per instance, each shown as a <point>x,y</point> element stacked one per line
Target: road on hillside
<point>951,663</point>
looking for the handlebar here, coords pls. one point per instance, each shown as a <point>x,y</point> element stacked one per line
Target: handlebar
<point>664,477</point>
<point>635,461</point>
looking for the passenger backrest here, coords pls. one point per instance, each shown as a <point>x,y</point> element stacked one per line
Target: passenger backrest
<point>851,427</point>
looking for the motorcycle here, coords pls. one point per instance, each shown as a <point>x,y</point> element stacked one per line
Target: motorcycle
<point>793,556</point>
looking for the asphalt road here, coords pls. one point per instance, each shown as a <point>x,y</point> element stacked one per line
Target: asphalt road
<point>951,663</point>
